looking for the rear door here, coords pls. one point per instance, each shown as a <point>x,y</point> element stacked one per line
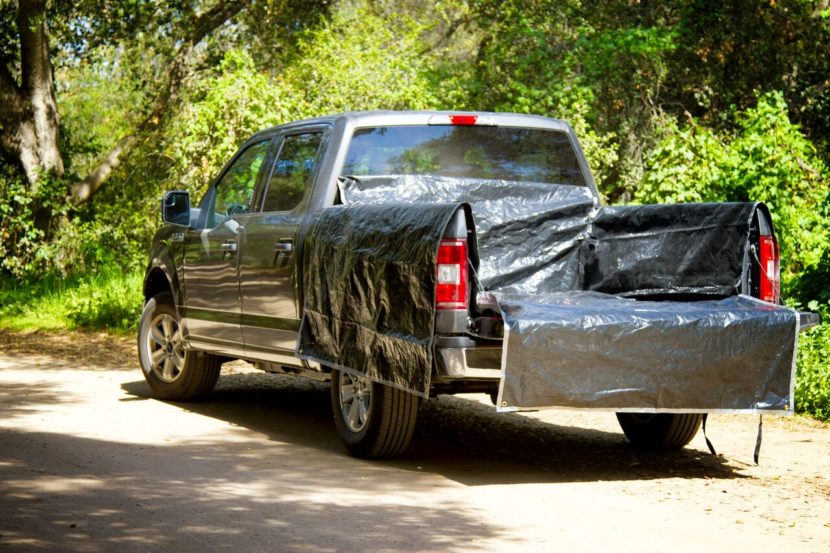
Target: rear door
<point>270,252</point>
<point>211,265</point>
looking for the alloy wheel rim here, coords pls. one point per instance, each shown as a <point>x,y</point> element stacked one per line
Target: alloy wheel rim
<point>355,401</point>
<point>165,347</point>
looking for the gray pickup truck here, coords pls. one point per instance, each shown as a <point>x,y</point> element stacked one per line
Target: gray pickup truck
<point>401,255</point>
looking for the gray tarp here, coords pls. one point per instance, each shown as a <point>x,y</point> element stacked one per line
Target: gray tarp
<point>369,291</point>
<point>529,234</point>
<point>586,349</point>
<point>670,249</point>
<point>542,247</point>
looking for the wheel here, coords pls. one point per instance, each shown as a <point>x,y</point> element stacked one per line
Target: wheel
<point>664,431</point>
<point>172,372</point>
<point>374,421</point>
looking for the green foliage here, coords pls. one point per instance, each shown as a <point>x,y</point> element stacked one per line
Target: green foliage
<point>223,109</point>
<point>362,58</point>
<point>97,101</point>
<point>107,301</point>
<point>731,53</point>
<point>110,300</point>
<point>18,234</point>
<point>23,233</point>
<point>812,392</point>
<point>767,159</point>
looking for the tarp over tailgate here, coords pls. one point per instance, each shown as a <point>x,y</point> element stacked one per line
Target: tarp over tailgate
<point>560,268</point>
<point>586,349</point>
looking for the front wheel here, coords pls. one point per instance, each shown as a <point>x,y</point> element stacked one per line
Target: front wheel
<point>374,421</point>
<point>172,372</point>
<point>664,431</point>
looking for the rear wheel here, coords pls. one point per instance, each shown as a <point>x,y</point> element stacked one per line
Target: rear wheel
<point>172,372</point>
<point>374,421</point>
<point>664,431</point>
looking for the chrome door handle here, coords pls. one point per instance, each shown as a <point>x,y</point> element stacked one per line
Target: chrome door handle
<point>284,247</point>
<point>229,247</point>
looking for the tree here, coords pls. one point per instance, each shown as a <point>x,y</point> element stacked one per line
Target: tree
<point>30,119</point>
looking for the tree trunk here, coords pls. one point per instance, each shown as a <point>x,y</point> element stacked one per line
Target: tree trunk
<point>30,123</point>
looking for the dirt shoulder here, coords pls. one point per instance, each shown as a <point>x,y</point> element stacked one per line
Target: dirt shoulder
<point>88,462</point>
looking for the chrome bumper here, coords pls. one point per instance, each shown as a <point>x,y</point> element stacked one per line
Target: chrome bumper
<point>807,319</point>
<point>460,358</point>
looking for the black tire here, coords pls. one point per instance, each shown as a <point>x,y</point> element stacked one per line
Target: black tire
<point>661,431</point>
<point>390,415</point>
<point>172,372</point>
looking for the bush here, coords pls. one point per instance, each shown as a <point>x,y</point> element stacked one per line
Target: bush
<point>812,392</point>
<point>767,159</point>
<point>110,301</point>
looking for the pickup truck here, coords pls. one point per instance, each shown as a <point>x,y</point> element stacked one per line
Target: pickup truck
<point>402,255</point>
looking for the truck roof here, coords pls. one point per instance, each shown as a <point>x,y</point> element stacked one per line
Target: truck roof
<point>344,125</point>
<point>426,117</point>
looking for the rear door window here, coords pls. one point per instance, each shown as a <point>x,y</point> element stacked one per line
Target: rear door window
<point>293,170</point>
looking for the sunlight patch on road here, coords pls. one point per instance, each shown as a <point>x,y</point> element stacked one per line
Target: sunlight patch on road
<point>91,404</point>
<point>51,484</point>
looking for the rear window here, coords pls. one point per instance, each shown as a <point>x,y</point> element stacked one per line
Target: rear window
<point>505,153</point>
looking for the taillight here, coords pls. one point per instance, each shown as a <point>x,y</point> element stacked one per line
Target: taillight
<point>463,119</point>
<point>451,291</point>
<point>770,280</point>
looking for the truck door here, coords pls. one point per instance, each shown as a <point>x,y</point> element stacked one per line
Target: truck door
<point>270,250</point>
<point>211,268</point>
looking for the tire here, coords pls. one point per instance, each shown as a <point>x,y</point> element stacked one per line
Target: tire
<point>373,421</point>
<point>172,372</point>
<point>661,431</point>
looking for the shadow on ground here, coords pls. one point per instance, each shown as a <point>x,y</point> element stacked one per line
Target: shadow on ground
<point>459,439</point>
<point>101,496</point>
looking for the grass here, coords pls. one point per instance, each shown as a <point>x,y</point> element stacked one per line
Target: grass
<point>108,300</point>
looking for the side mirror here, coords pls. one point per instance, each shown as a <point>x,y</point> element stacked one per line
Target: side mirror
<point>175,208</point>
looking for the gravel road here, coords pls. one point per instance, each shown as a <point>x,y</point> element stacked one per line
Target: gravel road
<point>88,462</point>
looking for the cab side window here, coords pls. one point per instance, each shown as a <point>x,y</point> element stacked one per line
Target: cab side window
<point>234,191</point>
<point>292,171</point>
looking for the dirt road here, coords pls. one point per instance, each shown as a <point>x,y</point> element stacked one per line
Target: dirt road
<point>89,463</point>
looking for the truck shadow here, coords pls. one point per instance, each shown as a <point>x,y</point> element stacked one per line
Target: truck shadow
<point>463,440</point>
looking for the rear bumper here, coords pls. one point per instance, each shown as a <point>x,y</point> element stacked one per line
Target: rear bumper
<point>807,319</point>
<point>462,358</point>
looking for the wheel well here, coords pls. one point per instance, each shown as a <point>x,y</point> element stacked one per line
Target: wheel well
<point>156,283</point>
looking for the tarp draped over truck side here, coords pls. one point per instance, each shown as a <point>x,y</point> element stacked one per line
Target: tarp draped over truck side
<point>560,269</point>
<point>369,291</point>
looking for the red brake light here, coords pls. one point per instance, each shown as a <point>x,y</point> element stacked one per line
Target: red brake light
<point>463,119</point>
<point>451,290</point>
<point>770,280</point>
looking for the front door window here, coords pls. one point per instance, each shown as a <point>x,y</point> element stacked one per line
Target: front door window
<point>236,188</point>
